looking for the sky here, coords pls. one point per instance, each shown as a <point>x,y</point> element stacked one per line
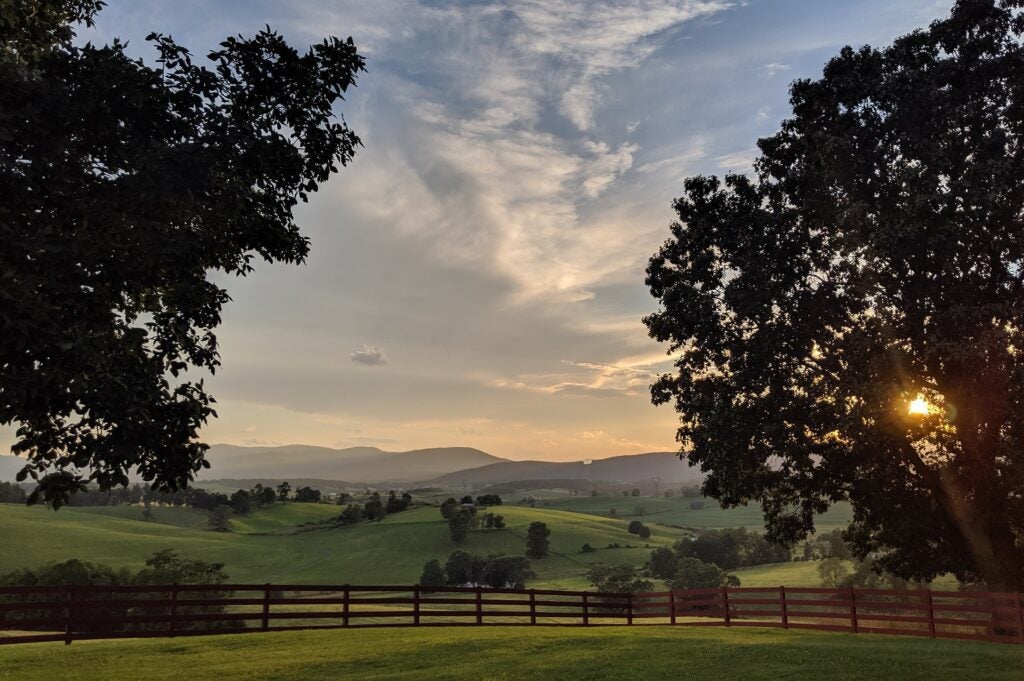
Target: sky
<point>476,276</point>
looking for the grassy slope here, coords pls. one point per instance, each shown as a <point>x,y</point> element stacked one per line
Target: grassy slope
<point>393,551</point>
<point>677,511</point>
<point>499,654</point>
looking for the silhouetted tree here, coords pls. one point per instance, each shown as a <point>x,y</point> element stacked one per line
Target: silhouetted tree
<point>308,495</point>
<point>284,490</point>
<point>459,524</point>
<point>877,257</point>
<point>352,514</point>
<point>241,502</point>
<point>537,539</point>
<point>374,508</point>
<point>449,507</point>
<point>433,574</point>
<point>128,192</point>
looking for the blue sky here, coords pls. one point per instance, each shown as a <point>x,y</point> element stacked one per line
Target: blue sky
<point>476,275</point>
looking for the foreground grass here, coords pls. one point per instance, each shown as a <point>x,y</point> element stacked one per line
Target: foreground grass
<point>499,654</point>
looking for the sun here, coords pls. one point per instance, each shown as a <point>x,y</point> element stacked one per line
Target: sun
<point>918,407</point>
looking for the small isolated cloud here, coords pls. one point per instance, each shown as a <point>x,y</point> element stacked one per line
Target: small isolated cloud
<point>762,114</point>
<point>369,356</point>
<point>774,68</point>
<point>738,161</point>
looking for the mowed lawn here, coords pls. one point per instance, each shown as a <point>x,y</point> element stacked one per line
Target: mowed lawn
<point>390,552</point>
<point>518,654</point>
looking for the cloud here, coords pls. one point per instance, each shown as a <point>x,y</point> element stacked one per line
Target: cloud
<point>369,356</point>
<point>737,161</point>
<point>772,69</point>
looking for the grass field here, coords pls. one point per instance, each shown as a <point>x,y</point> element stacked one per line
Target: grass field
<point>391,552</point>
<point>676,511</point>
<point>518,654</point>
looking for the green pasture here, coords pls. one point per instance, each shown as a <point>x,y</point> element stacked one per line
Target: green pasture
<point>390,552</point>
<point>676,511</point>
<point>517,654</point>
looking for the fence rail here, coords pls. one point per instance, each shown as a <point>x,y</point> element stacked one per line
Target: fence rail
<point>69,613</point>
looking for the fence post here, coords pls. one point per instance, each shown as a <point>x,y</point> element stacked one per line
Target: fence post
<point>586,610</point>
<point>416,605</point>
<point>174,608</point>
<point>629,608</point>
<point>266,607</point>
<point>1020,619</point>
<point>344,607</point>
<point>479,606</point>
<point>853,611</point>
<point>533,606</point>
<point>68,623</point>
<point>672,606</point>
<point>931,612</point>
<point>785,611</point>
<point>725,606</point>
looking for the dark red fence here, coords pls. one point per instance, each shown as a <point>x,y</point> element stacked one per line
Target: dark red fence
<point>32,614</point>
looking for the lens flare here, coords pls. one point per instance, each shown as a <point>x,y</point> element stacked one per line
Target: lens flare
<point>918,407</point>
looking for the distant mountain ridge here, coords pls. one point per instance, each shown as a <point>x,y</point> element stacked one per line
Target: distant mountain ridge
<point>356,464</point>
<point>665,466</point>
<point>454,466</point>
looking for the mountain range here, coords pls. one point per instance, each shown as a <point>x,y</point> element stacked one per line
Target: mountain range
<point>441,465</point>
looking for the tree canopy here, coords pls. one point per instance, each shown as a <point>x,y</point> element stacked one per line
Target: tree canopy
<point>125,187</point>
<point>874,262</point>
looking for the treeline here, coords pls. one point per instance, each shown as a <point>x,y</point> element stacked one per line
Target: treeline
<point>164,567</point>
<point>375,509</point>
<point>12,493</point>
<point>702,562</point>
<point>466,569</point>
<point>462,515</point>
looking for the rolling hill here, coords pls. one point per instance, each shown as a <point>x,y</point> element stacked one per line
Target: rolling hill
<point>265,546</point>
<point>664,466</point>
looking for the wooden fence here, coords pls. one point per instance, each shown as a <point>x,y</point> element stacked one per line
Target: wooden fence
<point>68,613</point>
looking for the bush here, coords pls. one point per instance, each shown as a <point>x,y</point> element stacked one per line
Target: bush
<point>587,548</point>
<point>697,505</point>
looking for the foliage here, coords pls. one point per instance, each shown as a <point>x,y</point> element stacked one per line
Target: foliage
<point>433,574</point>
<point>308,495</point>
<point>11,493</point>
<point>833,572</point>
<point>492,521</point>
<point>488,500</point>
<point>352,514</point>
<point>623,578</point>
<point>129,190</point>
<point>662,563</point>
<point>731,548</point>
<point>449,507</point>
<point>373,509</point>
<point>396,504</point>
<point>459,525</point>
<point>284,491</point>
<point>537,539</point>
<point>878,256</point>
<point>693,573</point>
<point>164,567</point>
<point>587,548</point>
